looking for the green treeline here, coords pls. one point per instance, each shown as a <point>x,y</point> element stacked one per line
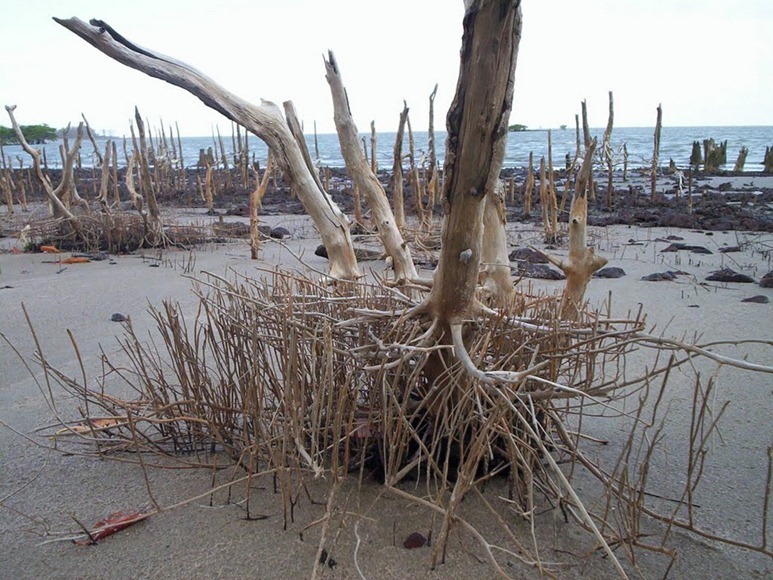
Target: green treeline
<point>34,134</point>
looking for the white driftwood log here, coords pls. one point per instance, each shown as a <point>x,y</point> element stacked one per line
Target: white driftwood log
<point>364,178</point>
<point>265,121</point>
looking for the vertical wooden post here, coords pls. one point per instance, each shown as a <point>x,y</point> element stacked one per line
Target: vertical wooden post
<point>656,154</point>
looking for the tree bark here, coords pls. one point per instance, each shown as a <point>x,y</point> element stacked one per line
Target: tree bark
<point>582,261</point>
<point>656,154</point>
<point>57,206</point>
<point>475,147</point>
<point>495,260</point>
<point>398,197</point>
<point>364,178</point>
<point>265,121</point>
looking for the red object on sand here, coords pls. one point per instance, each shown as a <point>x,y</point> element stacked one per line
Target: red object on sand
<point>113,523</point>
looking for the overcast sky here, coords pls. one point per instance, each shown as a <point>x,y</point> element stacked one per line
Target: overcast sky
<point>708,62</point>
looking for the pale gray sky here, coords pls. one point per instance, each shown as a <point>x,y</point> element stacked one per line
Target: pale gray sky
<point>709,62</point>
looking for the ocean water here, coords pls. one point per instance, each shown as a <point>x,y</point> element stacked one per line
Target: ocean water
<point>675,143</point>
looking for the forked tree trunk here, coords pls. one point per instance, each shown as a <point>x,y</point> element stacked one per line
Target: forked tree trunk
<point>265,121</point>
<point>582,261</point>
<point>54,194</point>
<point>475,147</point>
<point>364,178</point>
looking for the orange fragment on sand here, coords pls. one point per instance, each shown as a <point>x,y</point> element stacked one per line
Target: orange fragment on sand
<point>113,523</point>
<point>49,250</point>
<point>78,260</point>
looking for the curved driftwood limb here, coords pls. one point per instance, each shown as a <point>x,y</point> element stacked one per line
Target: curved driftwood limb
<point>265,121</point>
<point>364,178</point>
<point>256,198</point>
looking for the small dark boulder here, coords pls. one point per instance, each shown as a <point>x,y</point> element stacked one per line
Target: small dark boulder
<point>676,246</point>
<point>729,249</point>
<point>414,540</point>
<point>610,272</point>
<point>321,251</point>
<point>118,317</point>
<point>660,276</point>
<point>759,299</point>
<point>767,280</point>
<point>540,271</point>
<point>729,275</point>
<point>279,233</point>
<point>677,219</point>
<point>527,255</point>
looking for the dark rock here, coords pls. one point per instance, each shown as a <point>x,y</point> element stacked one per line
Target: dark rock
<point>118,317</point>
<point>541,271</point>
<point>279,233</point>
<point>321,251</point>
<point>527,255</point>
<point>264,231</point>
<point>610,272</point>
<point>240,210</point>
<point>364,254</point>
<point>674,238</point>
<point>729,249</point>
<point>767,280</point>
<point>414,540</point>
<point>759,299</point>
<point>676,246</point>
<point>677,219</point>
<point>728,275</point>
<point>660,276</point>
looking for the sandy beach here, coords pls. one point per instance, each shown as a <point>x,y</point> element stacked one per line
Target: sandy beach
<point>42,491</point>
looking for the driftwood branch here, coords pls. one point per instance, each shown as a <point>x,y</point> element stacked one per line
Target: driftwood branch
<point>265,121</point>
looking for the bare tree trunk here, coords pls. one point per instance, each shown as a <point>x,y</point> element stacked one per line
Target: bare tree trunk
<point>398,198</point>
<point>582,261</point>
<point>265,121</point>
<point>432,178</point>
<point>495,260</point>
<point>58,208</point>
<point>528,187</point>
<point>364,178</point>
<point>481,107</point>
<point>606,147</point>
<point>373,160</point>
<point>656,154</point>
<point>256,198</point>
<point>587,141</point>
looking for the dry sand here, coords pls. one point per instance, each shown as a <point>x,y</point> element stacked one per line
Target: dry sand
<point>40,490</point>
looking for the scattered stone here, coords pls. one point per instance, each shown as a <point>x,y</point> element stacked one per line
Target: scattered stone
<point>541,271</point>
<point>610,272</point>
<point>365,254</point>
<point>677,219</point>
<point>759,299</point>
<point>527,255</point>
<point>321,251</point>
<point>660,276</point>
<point>279,233</point>
<point>240,210</point>
<point>729,275</point>
<point>674,238</point>
<point>118,317</point>
<point>414,540</point>
<point>729,249</point>
<point>676,246</point>
<point>767,280</point>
